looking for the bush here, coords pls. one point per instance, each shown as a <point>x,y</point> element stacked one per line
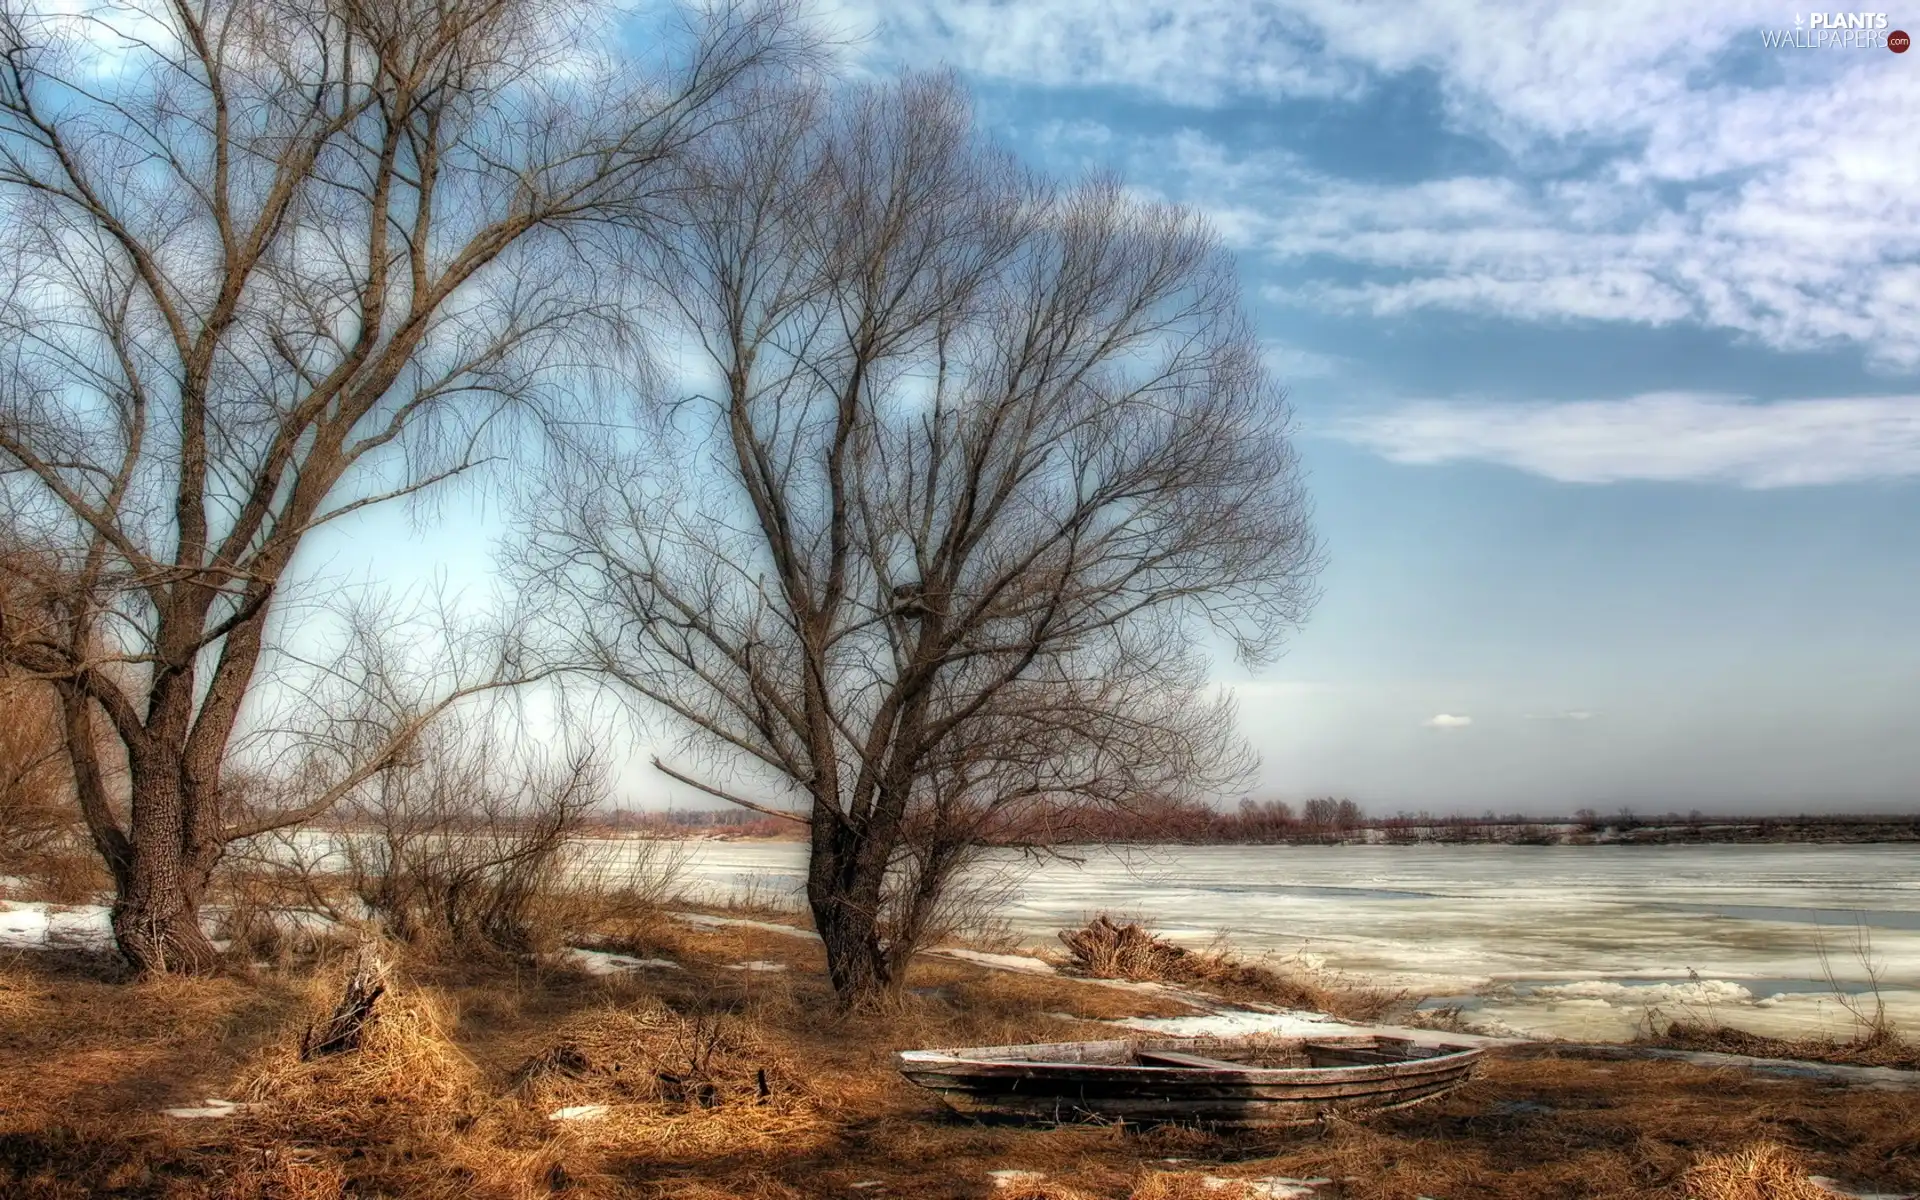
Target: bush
<point>1106,949</point>
<point>42,841</point>
<point>462,850</point>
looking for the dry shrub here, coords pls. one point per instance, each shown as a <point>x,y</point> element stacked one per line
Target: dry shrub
<point>1106,949</point>
<point>42,841</point>
<point>1760,1171</point>
<point>404,1114</point>
<point>675,1084</point>
<point>1876,1046</point>
<point>470,850</point>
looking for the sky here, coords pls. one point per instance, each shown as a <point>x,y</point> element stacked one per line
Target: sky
<point>1601,324</point>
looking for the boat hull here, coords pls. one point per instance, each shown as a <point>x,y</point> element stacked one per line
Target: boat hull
<point>1114,1081</point>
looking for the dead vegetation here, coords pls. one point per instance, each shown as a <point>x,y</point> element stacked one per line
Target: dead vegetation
<point>1881,1046</point>
<point>1761,1171</point>
<point>727,1085</point>
<point>673,1085</point>
<point>1107,949</point>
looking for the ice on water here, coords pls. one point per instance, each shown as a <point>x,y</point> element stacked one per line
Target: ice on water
<point>1578,941</point>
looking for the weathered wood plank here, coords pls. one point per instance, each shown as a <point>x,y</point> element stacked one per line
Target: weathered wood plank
<point>1173,1058</point>
<point>1196,1079</point>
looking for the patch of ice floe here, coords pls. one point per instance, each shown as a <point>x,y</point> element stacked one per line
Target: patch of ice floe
<point>1695,991</point>
<point>1234,1022</point>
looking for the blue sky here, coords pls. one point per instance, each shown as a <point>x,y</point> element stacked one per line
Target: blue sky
<point>1602,327</point>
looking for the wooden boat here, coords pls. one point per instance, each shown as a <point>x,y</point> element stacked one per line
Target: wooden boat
<point>1254,1080</point>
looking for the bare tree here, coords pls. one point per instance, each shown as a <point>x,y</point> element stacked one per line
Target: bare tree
<point>977,472</point>
<point>272,262</point>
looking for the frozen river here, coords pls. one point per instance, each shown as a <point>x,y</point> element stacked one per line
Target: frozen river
<point>1571,940</point>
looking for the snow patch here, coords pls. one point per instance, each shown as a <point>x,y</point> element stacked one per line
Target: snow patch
<point>579,1112</point>
<point>209,1109</point>
<point>757,965</point>
<point>1840,1189</point>
<point>38,926</point>
<point>605,962</point>
<point>1008,1178</point>
<point>1005,962</point>
<point>705,921</point>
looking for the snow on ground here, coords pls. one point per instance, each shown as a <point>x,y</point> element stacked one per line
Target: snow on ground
<point>1011,1178</point>
<point>756,965</point>
<point>706,921</point>
<point>1006,962</point>
<point>209,1110</point>
<point>579,1112</point>
<point>36,926</point>
<point>604,962</point>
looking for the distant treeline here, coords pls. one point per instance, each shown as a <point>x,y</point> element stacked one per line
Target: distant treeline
<point>1330,819</point>
<point>1327,820</point>
<point>682,822</point>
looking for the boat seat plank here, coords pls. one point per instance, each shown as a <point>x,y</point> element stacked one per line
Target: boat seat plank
<point>1173,1058</point>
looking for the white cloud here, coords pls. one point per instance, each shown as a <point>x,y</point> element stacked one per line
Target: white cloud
<point>1672,436</point>
<point>1203,52</point>
<point>1296,362</point>
<point>1447,721</point>
<point>1783,212</point>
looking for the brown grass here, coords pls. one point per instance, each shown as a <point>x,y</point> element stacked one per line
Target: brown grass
<point>1881,1046</point>
<point>451,1095</point>
<point>408,1113</point>
<point>1183,1185</point>
<point>1106,949</point>
<point>1761,1171</point>
<point>678,1086</point>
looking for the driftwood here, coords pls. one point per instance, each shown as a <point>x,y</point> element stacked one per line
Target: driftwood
<point>366,983</point>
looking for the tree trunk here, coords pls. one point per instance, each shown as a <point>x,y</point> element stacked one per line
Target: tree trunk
<point>848,925</point>
<point>156,908</point>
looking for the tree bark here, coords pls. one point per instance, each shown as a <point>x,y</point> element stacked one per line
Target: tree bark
<point>156,908</point>
<point>846,914</point>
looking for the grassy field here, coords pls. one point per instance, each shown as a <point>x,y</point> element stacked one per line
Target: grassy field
<point>721,1082</point>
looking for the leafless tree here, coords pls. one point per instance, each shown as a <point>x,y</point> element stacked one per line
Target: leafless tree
<point>975,472</point>
<point>269,263</point>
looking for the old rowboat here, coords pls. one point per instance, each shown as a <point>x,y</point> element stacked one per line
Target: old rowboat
<point>1256,1080</point>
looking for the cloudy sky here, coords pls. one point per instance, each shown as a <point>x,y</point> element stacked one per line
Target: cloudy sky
<point>1602,326</point>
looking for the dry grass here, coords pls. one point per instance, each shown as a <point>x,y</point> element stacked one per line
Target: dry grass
<point>1881,1046</point>
<point>1183,1185</point>
<point>451,1093</point>
<point>677,1086</point>
<point>1106,949</point>
<point>1762,1171</point>
<point>408,1113</point>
